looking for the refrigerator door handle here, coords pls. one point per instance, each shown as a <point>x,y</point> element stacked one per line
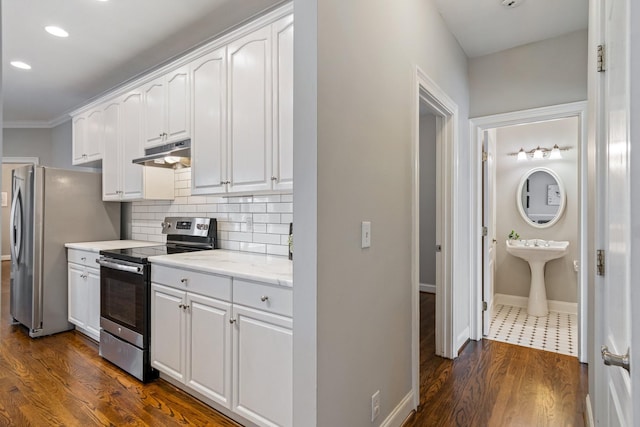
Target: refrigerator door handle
<point>16,229</point>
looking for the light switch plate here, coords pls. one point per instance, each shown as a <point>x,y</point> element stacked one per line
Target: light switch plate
<point>366,234</point>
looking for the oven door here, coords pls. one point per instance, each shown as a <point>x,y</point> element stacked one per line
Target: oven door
<point>124,300</point>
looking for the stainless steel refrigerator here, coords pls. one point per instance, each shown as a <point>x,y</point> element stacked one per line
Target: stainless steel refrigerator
<point>51,207</point>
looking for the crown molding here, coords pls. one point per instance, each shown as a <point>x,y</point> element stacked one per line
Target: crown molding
<point>35,124</point>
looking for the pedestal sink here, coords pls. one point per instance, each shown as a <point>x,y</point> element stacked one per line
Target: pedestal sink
<point>537,252</point>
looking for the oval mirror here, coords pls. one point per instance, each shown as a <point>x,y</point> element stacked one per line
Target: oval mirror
<point>541,197</point>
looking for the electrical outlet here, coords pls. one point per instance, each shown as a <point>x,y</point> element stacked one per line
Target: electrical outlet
<point>375,405</point>
<point>366,234</point>
<point>248,222</point>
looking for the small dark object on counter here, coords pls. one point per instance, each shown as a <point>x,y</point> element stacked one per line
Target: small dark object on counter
<point>290,240</point>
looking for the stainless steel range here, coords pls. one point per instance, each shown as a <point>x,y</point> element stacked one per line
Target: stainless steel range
<point>125,292</point>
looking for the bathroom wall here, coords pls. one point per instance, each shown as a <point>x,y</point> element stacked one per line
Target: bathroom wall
<point>513,274</point>
<point>257,224</point>
<point>427,199</point>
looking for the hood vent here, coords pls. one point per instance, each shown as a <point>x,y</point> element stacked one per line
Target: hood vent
<point>175,155</point>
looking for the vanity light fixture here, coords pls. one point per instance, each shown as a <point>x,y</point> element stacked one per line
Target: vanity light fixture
<point>56,31</point>
<point>539,153</point>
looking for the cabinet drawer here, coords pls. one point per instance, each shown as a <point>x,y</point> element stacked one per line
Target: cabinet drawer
<point>263,297</point>
<point>210,285</point>
<point>85,258</point>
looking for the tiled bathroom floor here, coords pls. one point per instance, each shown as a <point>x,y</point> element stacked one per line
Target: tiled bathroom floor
<point>556,332</point>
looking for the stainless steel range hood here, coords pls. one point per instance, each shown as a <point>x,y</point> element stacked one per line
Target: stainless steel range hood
<point>173,155</point>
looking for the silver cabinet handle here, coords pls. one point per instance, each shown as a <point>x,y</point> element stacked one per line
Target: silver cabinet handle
<point>183,306</point>
<point>264,298</point>
<point>611,359</point>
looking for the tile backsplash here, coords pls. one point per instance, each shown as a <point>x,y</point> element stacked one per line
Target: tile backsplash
<point>249,223</point>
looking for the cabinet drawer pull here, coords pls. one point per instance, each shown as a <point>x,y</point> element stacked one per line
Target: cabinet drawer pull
<point>84,258</point>
<point>180,305</point>
<point>274,178</point>
<point>184,280</point>
<point>264,298</point>
<point>232,321</point>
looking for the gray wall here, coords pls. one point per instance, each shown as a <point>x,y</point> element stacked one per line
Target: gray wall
<point>513,276</point>
<point>427,199</point>
<point>28,143</point>
<point>549,72</point>
<point>363,110</point>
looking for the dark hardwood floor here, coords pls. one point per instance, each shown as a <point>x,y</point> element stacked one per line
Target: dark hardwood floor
<point>60,380</point>
<point>496,384</point>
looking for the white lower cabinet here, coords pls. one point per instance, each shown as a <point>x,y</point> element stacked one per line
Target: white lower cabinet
<point>262,367</point>
<point>84,292</point>
<point>191,340</point>
<point>235,353</point>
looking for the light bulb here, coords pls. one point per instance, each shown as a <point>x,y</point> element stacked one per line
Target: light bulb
<point>538,154</point>
<point>555,153</point>
<point>522,155</point>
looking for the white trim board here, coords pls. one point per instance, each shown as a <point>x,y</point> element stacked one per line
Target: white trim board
<point>477,126</point>
<point>427,287</point>
<point>517,301</point>
<point>427,92</point>
<point>400,413</point>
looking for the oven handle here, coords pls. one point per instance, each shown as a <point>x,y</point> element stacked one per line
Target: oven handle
<point>120,265</point>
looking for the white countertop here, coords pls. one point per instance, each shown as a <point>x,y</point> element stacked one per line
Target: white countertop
<point>273,269</point>
<point>109,245</point>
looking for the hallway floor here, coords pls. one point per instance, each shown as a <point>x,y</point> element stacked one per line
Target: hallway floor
<point>557,332</point>
<point>495,384</point>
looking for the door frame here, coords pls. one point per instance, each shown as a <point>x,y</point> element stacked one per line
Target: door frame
<point>446,112</point>
<point>477,126</point>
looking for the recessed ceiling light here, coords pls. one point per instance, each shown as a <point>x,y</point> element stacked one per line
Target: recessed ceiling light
<point>21,65</point>
<point>56,31</point>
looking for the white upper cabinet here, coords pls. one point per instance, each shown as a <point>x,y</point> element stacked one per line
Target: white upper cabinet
<point>249,149</point>
<point>111,158</point>
<point>123,180</point>
<point>209,126</point>
<point>245,145</point>
<point>88,130</point>
<point>166,108</point>
<point>283,104</point>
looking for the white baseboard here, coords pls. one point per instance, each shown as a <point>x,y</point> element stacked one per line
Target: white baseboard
<point>5,257</point>
<point>461,340</point>
<point>425,287</point>
<point>400,413</point>
<point>516,301</point>
<point>589,417</point>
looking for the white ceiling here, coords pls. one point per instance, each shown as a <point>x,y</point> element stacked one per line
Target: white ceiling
<point>113,41</point>
<point>486,26</point>
<point>110,42</point>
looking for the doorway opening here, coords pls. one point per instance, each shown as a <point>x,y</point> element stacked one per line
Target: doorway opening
<point>496,141</point>
<point>434,145</point>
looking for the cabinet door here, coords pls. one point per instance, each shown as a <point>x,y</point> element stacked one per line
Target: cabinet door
<point>154,112</point>
<point>262,367</point>
<point>177,100</point>
<point>209,128</point>
<point>131,140</point>
<point>209,348</point>
<point>79,136</point>
<point>250,120</point>
<point>93,302</point>
<point>168,331</point>
<point>283,104</point>
<point>111,158</point>
<point>95,133</point>
<point>78,295</point>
